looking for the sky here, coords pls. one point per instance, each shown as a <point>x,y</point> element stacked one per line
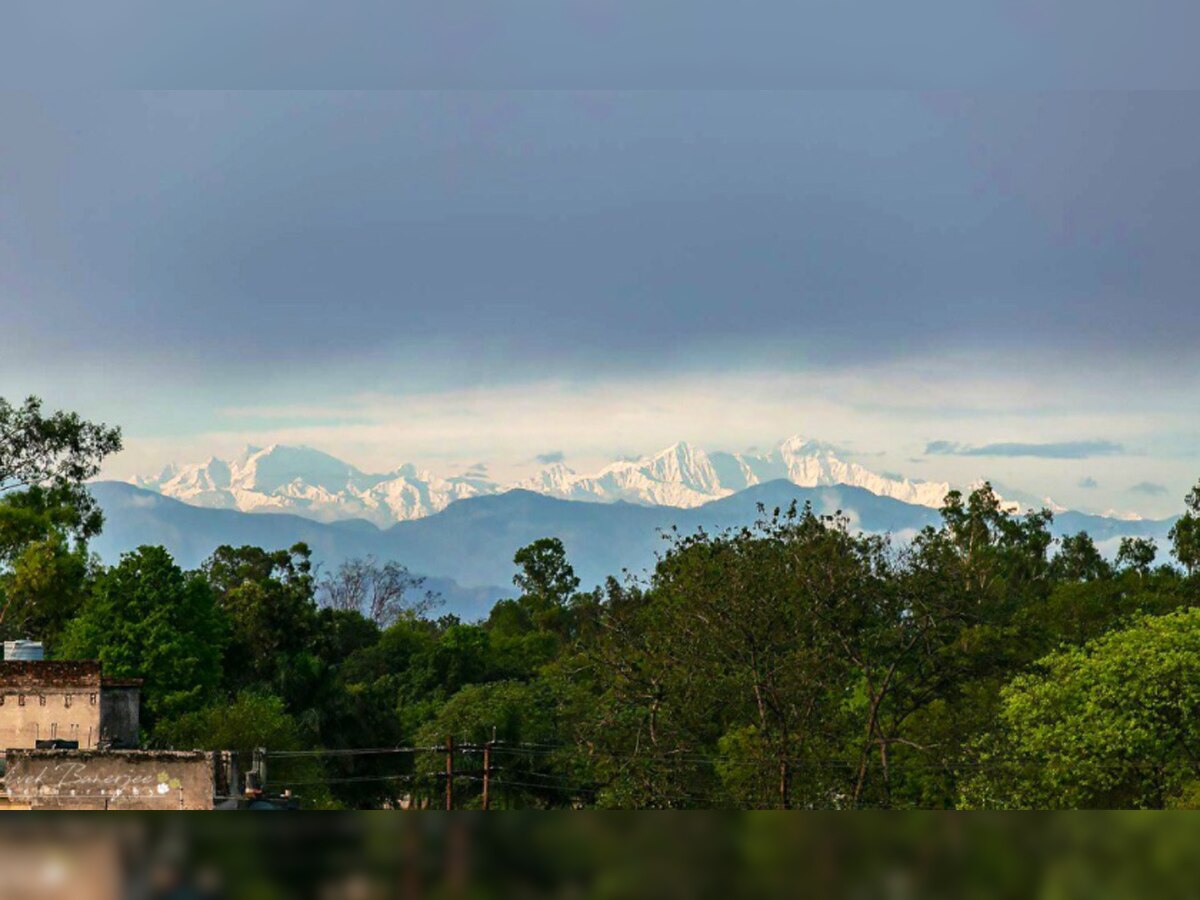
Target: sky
<point>991,272</point>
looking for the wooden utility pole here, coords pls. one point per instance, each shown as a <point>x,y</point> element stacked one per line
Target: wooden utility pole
<point>487,774</point>
<point>449,773</point>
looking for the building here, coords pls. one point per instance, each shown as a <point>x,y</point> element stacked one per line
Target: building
<point>70,738</point>
<point>64,703</point>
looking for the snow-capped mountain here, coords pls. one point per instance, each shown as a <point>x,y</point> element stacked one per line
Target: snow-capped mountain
<point>313,484</point>
<point>680,476</point>
<point>686,476</point>
<point>318,486</point>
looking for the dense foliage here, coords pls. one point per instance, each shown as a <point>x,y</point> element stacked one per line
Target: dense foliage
<point>793,663</point>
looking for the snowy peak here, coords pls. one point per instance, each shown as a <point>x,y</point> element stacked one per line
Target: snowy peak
<point>310,483</point>
<point>684,464</point>
<point>554,480</point>
<point>686,476</point>
<point>271,469</point>
<point>813,464</point>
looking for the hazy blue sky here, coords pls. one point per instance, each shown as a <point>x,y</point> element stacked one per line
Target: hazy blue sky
<point>956,283</point>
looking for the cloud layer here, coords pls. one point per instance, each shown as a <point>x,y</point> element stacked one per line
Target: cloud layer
<point>450,277</point>
<point>1149,488</point>
<point>1054,450</point>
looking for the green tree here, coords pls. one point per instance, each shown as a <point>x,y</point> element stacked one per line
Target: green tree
<point>268,598</point>
<point>1000,555</point>
<point>728,680</point>
<point>527,632</point>
<point>547,582</point>
<point>44,577</point>
<point>56,453</point>
<point>145,618</point>
<point>1079,560</point>
<point>1185,533</point>
<point>46,514</point>
<point>521,717</point>
<point>246,723</point>
<point>1136,554</point>
<point>1114,723</point>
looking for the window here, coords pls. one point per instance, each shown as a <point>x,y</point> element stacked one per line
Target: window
<point>20,699</point>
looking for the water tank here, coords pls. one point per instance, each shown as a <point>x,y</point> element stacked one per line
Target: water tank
<point>23,650</point>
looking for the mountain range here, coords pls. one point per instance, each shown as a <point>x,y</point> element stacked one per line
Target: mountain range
<point>466,549</point>
<point>318,486</point>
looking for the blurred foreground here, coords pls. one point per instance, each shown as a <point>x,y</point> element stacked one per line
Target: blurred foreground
<point>364,856</point>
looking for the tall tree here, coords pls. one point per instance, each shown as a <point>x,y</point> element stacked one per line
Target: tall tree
<point>547,582</point>
<point>54,453</point>
<point>267,596</point>
<point>46,514</point>
<point>1110,724</point>
<point>1079,560</point>
<point>1136,554</point>
<point>383,592</point>
<point>1185,533</point>
<point>145,618</point>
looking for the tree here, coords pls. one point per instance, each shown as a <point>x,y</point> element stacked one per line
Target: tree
<point>267,597</point>
<point>514,713</point>
<point>1000,554</point>
<point>1110,724</point>
<point>246,723</point>
<point>1136,554</point>
<point>381,592</point>
<point>731,678</point>
<point>547,582</point>
<point>55,453</point>
<point>145,618</point>
<point>1185,533</point>
<point>46,514</point>
<point>44,586</point>
<point>1079,560</point>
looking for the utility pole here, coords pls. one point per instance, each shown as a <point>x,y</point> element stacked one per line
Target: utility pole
<point>487,774</point>
<point>449,773</point>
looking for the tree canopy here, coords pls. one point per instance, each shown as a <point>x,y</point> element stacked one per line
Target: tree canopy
<point>794,662</point>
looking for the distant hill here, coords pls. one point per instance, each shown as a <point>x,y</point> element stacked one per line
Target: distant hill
<point>309,483</point>
<point>466,549</point>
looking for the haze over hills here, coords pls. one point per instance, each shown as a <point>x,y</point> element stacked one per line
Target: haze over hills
<point>461,532</point>
<point>313,484</point>
<point>467,548</point>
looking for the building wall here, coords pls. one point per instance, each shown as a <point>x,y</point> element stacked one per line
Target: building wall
<point>47,700</point>
<point>110,779</point>
<point>120,708</point>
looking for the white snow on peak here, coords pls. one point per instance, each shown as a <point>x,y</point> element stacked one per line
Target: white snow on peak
<point>310,483</point>
<point>686,476</point>
<point>681,475</point>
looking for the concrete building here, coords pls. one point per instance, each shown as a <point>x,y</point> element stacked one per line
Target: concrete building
<point>69,738</point>
<point>65,701</point>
